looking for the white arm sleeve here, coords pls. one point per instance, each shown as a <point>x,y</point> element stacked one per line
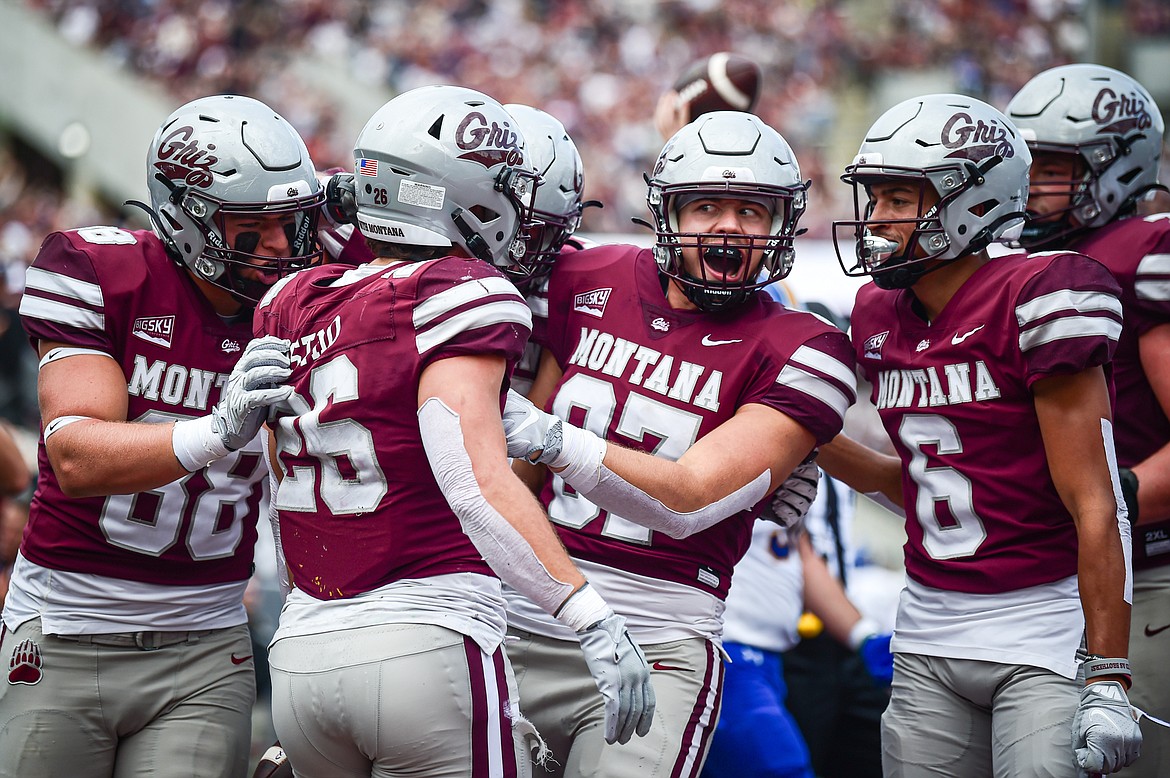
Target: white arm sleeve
<point>618,496</point>
<point>505,550</point>
<point>583,453</point>
<point>282,577</point>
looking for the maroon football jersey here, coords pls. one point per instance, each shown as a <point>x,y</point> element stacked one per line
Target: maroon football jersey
<point>359,506</point>
<point>983,515</point>
<point>649,377</point>
<point>1137,252</point>
<point>118,292</point>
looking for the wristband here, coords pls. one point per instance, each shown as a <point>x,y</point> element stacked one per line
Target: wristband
<point>581,456</point>
<point>863,630</point>
<point>196,443</point>
<point>584,608</point>
<point>1099,667</point>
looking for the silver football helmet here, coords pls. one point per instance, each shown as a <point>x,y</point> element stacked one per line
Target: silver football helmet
<point>734,155</point>
<point>558,205</point>
<point>1106,118</point>
<point>230,156</point>
<point>968,153</point>
<point>444,166</point>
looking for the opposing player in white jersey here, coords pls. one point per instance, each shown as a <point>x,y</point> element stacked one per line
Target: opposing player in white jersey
<point>125,645</point>
<point>1096,139</point>
<point>397,507</point>
<point>991,378</point>
<point>710,394</point>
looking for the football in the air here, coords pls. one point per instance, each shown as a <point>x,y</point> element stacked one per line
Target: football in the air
<point>720,82</point>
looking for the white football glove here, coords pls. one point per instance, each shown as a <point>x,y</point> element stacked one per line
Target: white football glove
<point>791,501</point>
<point>619,669</point>
<point>532,434</point>
<point>1106,736</point>
<point>255,383</point>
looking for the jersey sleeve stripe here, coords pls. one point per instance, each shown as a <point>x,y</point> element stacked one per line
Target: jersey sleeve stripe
<point>449,300</point>
<point>486,315</point>
<point>62,313</point>
<point>66,286</point>
<point>1069,327</point>
<point>816,387</point>
<point>1153,278</point>
<point>825,363</point>
<point>1070,300</point>
<point>1152,290</point>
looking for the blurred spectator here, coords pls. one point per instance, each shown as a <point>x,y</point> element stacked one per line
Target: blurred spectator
<point>597,66</point>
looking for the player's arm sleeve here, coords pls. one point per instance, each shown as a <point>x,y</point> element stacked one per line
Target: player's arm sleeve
<point>503,546</point>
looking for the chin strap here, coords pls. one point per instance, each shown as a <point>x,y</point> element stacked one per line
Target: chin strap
<point>474,241</point>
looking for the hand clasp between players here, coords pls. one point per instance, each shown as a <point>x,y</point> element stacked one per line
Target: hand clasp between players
<point>532,434</point>
<point>255,383</point>
<point>619,669</point>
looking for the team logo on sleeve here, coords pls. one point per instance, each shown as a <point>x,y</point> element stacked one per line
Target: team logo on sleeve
<point>592,302</point>
<point>155,329</point>
<point>872,348</point>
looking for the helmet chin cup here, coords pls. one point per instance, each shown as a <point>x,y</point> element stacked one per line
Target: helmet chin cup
<point>205,267</point>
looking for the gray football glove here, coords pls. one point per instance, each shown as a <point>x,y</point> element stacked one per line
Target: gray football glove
<point>619,669</point>
<point>1106,736</point>
<point>255,383</point>
<point>532,434</point>
<point>791,501</point>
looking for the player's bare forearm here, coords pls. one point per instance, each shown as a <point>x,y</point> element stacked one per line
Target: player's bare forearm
<point>1153,473</point>
<point>824,595</point>
<point>865,470</point>
<point>14,473</point>
<point>1073,412</point>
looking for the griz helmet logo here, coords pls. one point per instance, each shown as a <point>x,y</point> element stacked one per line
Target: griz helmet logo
<point>181,159</point>
<point>1120,114</point>
<point>488,143</point>
<point>976,139</point>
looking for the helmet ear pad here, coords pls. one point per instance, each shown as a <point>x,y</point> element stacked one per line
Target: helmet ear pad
<point>225,157</point>
<point>732,155</point>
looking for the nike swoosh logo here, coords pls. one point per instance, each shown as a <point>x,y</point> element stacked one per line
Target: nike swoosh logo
<point>957,339</point>
<point>1151,632</point>
<point>709,341</point>
<point>661,666</point>
<point>240,660</point>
